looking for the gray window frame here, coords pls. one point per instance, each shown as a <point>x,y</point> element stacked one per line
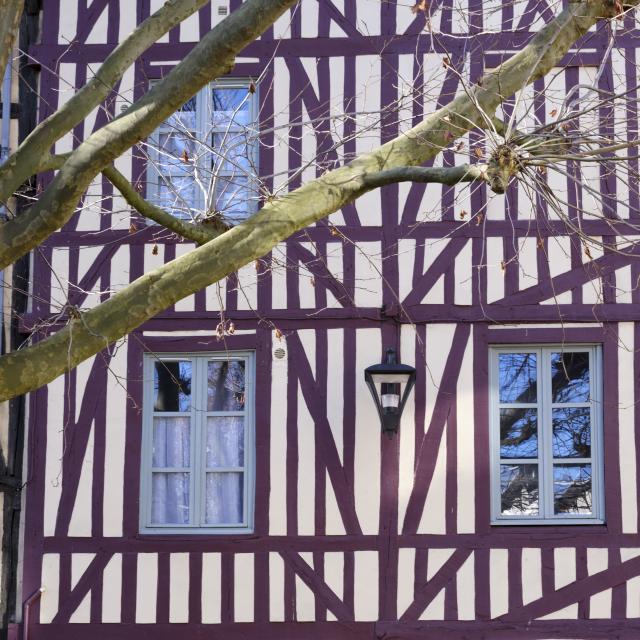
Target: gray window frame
<point>545,458</point>
<point>198,414</point>
<point>204,128</point>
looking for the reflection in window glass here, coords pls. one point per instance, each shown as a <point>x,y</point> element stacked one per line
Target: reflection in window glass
<point>572,433</point>
<point>225,385</point>
<point>546,421</point>
<point>519,489</point>
<point>202,159</point>
<point>518,377</point>
<point>518,433</point>
<point>570,377</point>
<point>172,386</point>
<point>572,488</point>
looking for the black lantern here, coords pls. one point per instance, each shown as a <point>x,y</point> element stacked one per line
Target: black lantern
<point>390,384</point>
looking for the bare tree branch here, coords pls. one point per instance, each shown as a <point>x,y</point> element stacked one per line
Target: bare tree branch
<point>94,329</point>
<point>199,234</point>
<point>25,161</point>
<point>440,175</point>
<point>213,56</point>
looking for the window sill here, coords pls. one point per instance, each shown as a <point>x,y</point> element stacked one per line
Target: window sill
<point>594,526</point>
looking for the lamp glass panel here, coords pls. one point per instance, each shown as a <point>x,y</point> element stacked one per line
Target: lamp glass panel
<point>390,378</point>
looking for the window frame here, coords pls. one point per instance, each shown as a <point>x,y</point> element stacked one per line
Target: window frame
<point>545,459</point>
<point>197,469</point>
<point>204,130</point>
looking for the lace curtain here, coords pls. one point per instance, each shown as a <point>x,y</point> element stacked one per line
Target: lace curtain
<point>223,457</point>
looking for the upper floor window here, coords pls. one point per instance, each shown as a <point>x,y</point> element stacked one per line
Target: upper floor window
<point>546,435</point>
<point>197,452</point>
<point>203,159</point>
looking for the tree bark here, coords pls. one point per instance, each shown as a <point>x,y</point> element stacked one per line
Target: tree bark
<point>10,12</point>
<point>212,57</point>
<point>155,291</point>
<point>27,160</point>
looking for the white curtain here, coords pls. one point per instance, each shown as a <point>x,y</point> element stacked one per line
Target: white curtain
<point>170,490</point>
<point>224,455</point>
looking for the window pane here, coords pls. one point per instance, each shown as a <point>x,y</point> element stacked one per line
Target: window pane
<point>231,153</point>
<point>570,377</point>
<point>572,433</point>
<point>225,441</point>
<point>231,106</point>
<point>172,386</point>
<point>171,442</point>
<point>176,153</point>
<point>170,498</point>
<point>224,498</point>
<point>518,433</point>
<point>519,489</point>
<point>518,377</point>
<point>184,117</point>
<point>232,198</point>
<point>572,488</point>
<point>225,385</point>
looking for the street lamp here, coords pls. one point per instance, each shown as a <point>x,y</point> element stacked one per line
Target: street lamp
<point>390,384</point>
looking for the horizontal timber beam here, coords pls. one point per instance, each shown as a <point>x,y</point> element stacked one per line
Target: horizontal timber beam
<point>365,316</point>
<point>372,233</point>
<point>524,537</point>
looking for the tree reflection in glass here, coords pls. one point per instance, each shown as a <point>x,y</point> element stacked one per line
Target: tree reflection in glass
<point>518,433</point>
<point>572,488</point>
<point>172,386</point>
<point>570,377</point>
<point>572,432</point>
<point>518,377</point>
<point>519,489</point>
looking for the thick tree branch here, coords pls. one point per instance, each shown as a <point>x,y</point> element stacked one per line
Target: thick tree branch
<point>212,57</point>
<point>10,12</point>
<point>440,175</point>
<point>146,297</point>
<point>25,161</point>
<point>199,234</point>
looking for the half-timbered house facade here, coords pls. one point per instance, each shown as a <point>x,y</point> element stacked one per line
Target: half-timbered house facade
<point>221,472</point>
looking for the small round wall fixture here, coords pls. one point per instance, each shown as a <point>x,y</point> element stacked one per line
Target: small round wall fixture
<point>390,384</point>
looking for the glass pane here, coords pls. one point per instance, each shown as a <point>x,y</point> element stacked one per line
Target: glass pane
<point>572,488</point>
<point>171,442</point>
<point>570,377</point>
<point>518,377</point>
<point>178,195</point>
<point>224,499</point>
<point>572,433</point>
<point>170,498</point>
<point>231,153</point>
<point>231,106</point>
<point>176,153</point>
<point>518,433</point>
<point>225,385</point>
<point>232,198</point>
<point>172,386</point>
<point>519,489</point>
<point>185,117</point>
<point>225,441</point>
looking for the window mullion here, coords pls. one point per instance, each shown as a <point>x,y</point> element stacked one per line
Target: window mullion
<point>546,435</point>
<point>197,442</point>
<point>200,133</point>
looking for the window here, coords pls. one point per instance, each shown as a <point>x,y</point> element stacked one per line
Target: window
<point>203,159</point>
<point>546,435</point>
<point>197,453</point>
